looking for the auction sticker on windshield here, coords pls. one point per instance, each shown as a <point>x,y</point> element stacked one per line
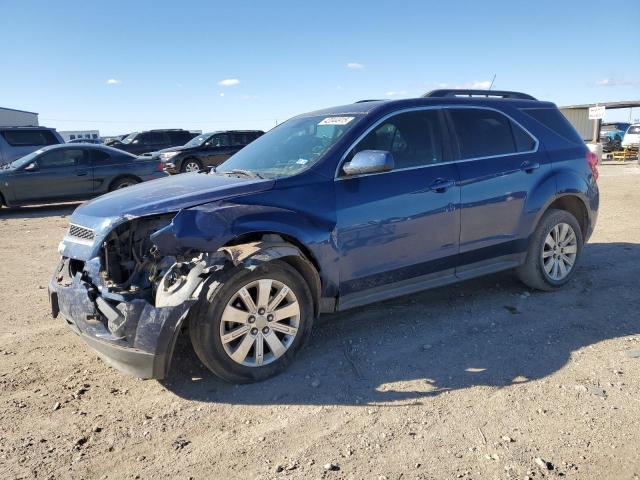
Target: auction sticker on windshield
<point>336,120</point>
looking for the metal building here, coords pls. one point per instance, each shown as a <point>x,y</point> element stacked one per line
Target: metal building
<point>79,134</point>
<point>10,117</point>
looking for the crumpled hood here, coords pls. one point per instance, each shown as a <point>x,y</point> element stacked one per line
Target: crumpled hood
<point>169,194</point>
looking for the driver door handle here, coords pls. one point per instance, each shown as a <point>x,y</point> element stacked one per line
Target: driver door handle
<point>441,185</point>
<point>529,167</point>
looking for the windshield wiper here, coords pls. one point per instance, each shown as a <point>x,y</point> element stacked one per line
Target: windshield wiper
<point>245,173</point>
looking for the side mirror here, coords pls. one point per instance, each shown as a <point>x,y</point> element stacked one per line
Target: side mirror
<point>369,161</point>
<point>32,167</point>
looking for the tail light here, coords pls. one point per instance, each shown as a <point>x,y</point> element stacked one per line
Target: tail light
<point>592,160</point>
<point>159,167</point>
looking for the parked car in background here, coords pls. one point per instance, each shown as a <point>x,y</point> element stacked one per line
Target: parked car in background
<point>72,172</point>
<point>206,150</point>
<point>152,140</point>
<point>611,135</point>
<point>331,210</point>
<point>16,142</point>
<point>632,136</point>
<point>94,141</point>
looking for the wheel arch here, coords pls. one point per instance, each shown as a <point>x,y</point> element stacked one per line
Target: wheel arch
<point>263,246</point>
<point>576,207</point>
<point>121,177</point>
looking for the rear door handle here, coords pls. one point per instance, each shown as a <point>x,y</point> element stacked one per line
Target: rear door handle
<point>441,185</point>
<point>529,166</point>
<point>81,174</point>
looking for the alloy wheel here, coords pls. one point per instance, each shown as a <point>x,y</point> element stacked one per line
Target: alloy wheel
<point>260,322</point>
<point>192,167</point>
<point>559,251</point>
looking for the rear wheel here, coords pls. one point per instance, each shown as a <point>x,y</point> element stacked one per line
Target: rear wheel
<point>553,252</point>
<point>191,165</point>
<point>252,323</point>
<point>123,183</point>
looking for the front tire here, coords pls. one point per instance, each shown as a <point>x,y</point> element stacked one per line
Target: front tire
<point>252,323</point>
<point>554,252</point>
<point>190,165</point>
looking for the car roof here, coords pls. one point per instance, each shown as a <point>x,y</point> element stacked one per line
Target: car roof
<point>94,146</point>
<point>377,106</point>
<point>25,127</point>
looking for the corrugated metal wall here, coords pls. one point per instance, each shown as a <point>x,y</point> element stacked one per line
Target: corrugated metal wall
<point>579,118</point>
<point>16,118</point>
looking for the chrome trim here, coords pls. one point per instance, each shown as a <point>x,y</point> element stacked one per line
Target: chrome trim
<point>433,107</point>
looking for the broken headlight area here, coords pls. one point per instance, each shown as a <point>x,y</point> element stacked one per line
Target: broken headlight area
<point>130,264</point>
<point>139,287</point>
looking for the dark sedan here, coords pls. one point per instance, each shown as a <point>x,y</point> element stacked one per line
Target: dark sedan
<point>72,172</point>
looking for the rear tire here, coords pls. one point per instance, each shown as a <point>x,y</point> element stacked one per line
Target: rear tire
<point>244,339</point>
<point>123,182</point>
<point>553,253</point>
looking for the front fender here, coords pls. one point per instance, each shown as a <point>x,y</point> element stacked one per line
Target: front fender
<point>208,227</point>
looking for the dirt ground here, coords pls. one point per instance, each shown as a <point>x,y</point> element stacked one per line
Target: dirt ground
<point>479,380</point>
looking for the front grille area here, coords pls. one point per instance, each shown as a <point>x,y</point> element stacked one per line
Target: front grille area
<point>83,233</point>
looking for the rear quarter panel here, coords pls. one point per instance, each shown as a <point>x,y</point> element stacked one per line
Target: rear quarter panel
<point>105,174</point>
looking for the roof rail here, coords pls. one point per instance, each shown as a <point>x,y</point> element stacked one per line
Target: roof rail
<point>369,100</point>
<point>462,92</point>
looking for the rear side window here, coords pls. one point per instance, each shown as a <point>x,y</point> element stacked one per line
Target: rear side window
<point>180,137</point>
<point>240,139</point>
<point>487,133</point>
<point>29,138</point>
<point>98,156</point>
<point>554,119</point>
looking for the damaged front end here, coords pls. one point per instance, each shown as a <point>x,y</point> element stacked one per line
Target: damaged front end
<point>126,300</point>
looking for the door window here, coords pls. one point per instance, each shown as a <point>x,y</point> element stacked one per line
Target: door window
<point>487,133</point>
<point>61,158</point>
<point>219,141</point>
<point>413,138</point>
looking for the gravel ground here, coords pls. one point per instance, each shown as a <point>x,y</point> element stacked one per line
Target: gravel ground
<point>482,380</point>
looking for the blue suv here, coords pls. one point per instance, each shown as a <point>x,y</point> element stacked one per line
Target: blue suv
<point>330,210</point>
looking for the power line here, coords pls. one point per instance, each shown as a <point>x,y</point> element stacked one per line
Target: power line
<point>158,121</point>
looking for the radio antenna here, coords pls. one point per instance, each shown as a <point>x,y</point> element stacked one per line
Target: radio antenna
<point>492,80</point>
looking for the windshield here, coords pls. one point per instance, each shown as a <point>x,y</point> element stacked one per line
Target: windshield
<point>290,147</point>
<point>129,138</point>
<point>24,160</point>
<point>634,129</point>
<point>199,140</point>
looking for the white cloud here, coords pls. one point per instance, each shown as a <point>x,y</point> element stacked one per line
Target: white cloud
<point>395,93</point>
<point>475,85</point>
<point>229,82</point>
<point>221,94</point>
<point>613,82</point>
<point>355,66</point>
<point>113,81</point>
<point>482,85</point>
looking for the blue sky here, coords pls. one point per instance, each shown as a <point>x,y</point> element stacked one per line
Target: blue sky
<point>121,66</point>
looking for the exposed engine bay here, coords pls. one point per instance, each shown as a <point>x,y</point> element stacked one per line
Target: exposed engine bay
<point>129,259</point>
